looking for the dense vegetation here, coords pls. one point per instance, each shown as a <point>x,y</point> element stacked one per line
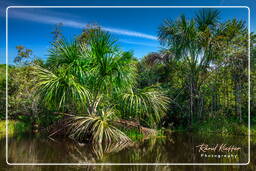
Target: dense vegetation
<point>89,89</point>
<point>204,66</point>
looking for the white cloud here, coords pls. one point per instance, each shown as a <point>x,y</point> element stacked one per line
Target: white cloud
<point>139,43</point>
<point>75,24</point>
<point>45,19</point>
<point>130,33</point>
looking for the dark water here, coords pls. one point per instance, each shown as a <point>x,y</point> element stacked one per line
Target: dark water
<point>176,148</point>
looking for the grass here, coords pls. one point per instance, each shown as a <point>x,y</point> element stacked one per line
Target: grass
<point>14,127</point>
<point>222,126</point>
<point>133,134</point>
<point>136,135</point>
<point>219,125</point>
<point>227,129</point>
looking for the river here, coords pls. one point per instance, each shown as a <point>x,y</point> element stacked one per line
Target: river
<point>175,148</point>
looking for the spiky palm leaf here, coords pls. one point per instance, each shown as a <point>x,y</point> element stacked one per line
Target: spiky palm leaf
<point>99,126</point>
<point>197,41</point>
<point>70,56</point>
<point>59,89</point>
<point>207,18</point>
<point>110,67</point>
<point>148,103</point>
<point>63,53</point>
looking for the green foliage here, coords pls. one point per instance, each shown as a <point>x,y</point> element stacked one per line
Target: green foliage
<point>98,66</point>
<point>149,103</point>
<point>21,127</point>
<point>85,78</point>
<point>47,117</point>
<point>133,134</point>
<point>204,63</point>
<point>60,89</point>
<point>207,17</point>
<point>198,81</point>
<point>2,90</point>
<point>3,127</point>
<point>220,125</point>
<point>14,127</point>
<point>20,91</point>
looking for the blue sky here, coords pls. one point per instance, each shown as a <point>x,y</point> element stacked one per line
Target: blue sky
<point>135,29</point>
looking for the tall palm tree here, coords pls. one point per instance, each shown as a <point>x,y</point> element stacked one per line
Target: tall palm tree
<point>197,42</point>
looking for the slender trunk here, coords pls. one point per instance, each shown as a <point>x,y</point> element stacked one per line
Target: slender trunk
<point>228,96</point>
<point>94,103</point>
<point>191,104</point>
<point>201,107</point>
<point>237,93</point>
<point>226,93</point>
<point>212,99</point>
<point>191,101</point>
<point>239,107</point>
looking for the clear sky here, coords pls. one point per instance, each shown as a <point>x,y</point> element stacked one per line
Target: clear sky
<point>135,29</point>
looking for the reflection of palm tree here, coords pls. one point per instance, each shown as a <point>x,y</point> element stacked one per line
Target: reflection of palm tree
<point>109,148</point>
<point>95,152</point>
<point>147,151</point>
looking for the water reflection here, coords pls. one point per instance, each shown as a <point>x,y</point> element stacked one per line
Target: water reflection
<point>179,148</point>
<point>94,153</point>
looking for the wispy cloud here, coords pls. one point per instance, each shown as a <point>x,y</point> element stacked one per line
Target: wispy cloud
<point>139,43</point>
<point>130,33</point>
<point>74,24</point>
<point>45,19</point>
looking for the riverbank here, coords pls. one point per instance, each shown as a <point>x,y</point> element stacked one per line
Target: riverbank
<point>206,128</point>
<point>14,127</point>
<point>219,128</point>
<point>19,127</point>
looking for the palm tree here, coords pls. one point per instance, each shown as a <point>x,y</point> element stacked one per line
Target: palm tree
<point>92,79</point>
<point>197,42</point>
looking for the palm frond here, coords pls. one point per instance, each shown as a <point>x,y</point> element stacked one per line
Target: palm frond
<point>97,126</point>
<point>110,67</point>
<point>60,89</point>
<point>149,103</point>
<point>63,53</point>
<point>207,18</point>
<point>179,36</point>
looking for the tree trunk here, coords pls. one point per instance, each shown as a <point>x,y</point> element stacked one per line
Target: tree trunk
<point>191,102</point>
<point>238,98</point>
